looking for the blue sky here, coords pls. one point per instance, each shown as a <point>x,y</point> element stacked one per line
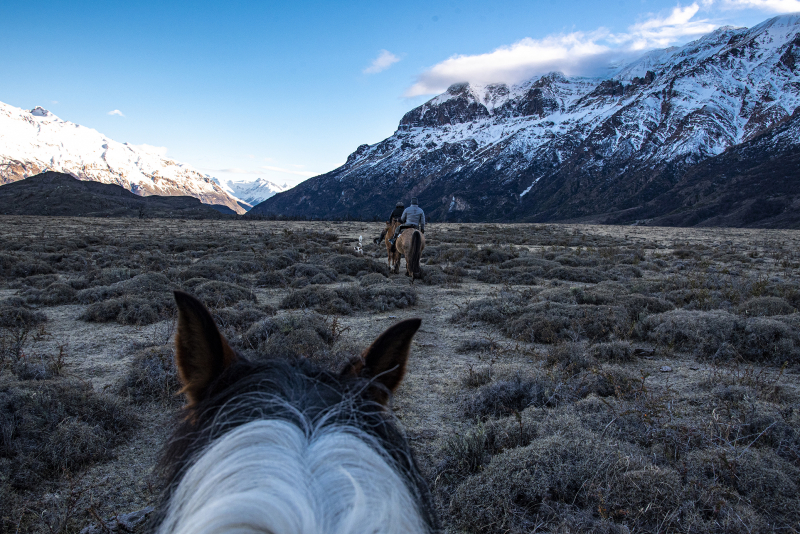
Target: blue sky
<point>242,89</point>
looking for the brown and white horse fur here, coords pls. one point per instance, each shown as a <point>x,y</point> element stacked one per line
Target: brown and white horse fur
<point>287,447</point>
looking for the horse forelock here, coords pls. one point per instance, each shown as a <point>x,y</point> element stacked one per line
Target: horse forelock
<point>314,403</point>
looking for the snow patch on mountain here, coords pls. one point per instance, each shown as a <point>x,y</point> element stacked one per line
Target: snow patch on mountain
<point>533,147</point>
<point>252,192</point>
<point>37,140</point>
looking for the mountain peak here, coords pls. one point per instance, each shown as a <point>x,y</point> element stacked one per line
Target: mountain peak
<point>34,141</point>
<point>556,148</point>
<point>39,111</point>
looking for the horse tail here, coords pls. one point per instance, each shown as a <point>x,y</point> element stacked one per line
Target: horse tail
<point>414,254</point>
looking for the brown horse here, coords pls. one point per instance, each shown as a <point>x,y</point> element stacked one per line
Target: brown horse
<point>410,243</point>
<point>393,258</point>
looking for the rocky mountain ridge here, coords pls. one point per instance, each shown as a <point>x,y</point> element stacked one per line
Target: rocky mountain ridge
<point>35,141</point>
<point>58,194</point>
<point>568,148</point>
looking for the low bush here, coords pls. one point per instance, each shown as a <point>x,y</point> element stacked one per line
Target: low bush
<point>14,313</point>
<point>152,376</point>
<point>131,310</point>
<point>586,275</point>
<point>271,279</point>
<point>504,397</point>
<point>50,426</point>
<point>571,357</point>
<point>344,300</point>
<point>565,473</point>
<point>550,322</point>
<point>53,295</point>
<point>765,307</point>
<point>216,294</point>
<point>701,332</point>
<point>707,333</point>
<point>615,351</point>
<point>356,265</point>
<point>372,279</point>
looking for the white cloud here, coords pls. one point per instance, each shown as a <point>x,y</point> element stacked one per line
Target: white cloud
<point>576,53</point>
<point>568,53</point>
<point>660,32</point>
<point>157,150</point>
<point>773,6</point>
<point>116,112</point>
<point>384,60</point>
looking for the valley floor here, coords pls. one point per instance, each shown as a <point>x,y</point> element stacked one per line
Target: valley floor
<point>566,378</point>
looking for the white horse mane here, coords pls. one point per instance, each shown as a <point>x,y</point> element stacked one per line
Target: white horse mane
<point>270,476</point>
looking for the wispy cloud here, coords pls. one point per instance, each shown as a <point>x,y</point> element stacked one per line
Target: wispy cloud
<point>773,6</point>
<point>116,112</point>
<point>659,32</point>
<point>384,60</point>
<point>573,53</point>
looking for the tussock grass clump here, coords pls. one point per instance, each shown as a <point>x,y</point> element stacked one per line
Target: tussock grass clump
<point>152,376</point>
<point>14,313</point>
<point>216,294</point>
<point>570,356</point>
<point>52,295</point>
<point>615,351</point>
<point>29,267</point>
<point>566,472</point>
<point>241,316</point>
<point>719,334</point>
<point>356,265</point>
<point>300,335</point>
<point>546,322</point>
<point>49,426</point>
<point>505,397</point>
<point>39,281</point>
<point>506,305</point>
<point>701,332</point>
<point>131,310</point>
<point>372,279</point>
<point>217,269</point>
<point>344,300</point>
<point>586,275</point>
<point>765,307</point>
<point>141,300</point>
<point>145,284</point>
<point>550,322</point>
<point>271,279</point>
<point>520,276</point>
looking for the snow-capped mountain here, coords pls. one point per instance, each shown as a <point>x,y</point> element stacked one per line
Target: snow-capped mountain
<point>253,192</point>
<point>559,148</point>
<point>35,141</point>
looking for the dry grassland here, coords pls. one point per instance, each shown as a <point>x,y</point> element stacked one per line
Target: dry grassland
<point>566,378</point>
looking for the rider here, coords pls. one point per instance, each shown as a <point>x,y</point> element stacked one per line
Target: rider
<point>412,217</point>
<point>397,212</point>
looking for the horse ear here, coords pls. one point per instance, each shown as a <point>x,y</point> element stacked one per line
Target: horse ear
<point>201,352</point>
<point>385,360</point>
